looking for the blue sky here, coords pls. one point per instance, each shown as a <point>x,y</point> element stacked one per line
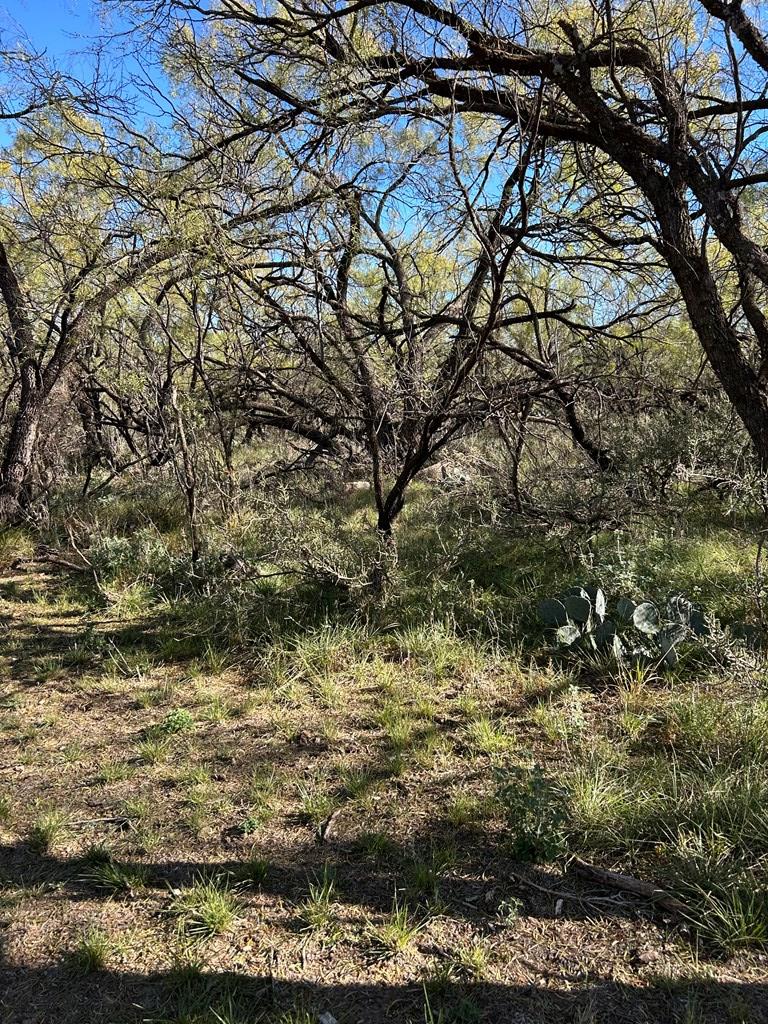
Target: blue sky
<point>52,25</point>
<point>66,30</point>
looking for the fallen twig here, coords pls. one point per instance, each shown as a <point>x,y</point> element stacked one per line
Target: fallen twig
<point>121,820</point>
<point>48,558</point>
<point>561,894</point>
<point>628,883</point>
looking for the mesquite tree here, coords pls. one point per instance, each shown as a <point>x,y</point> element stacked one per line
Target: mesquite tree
<point>665,100</point>
<point>92,217</point>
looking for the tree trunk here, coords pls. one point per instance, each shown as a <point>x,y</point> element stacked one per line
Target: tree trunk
<point>690,269</point>
<point>20,447</point>
<point>383,568</point>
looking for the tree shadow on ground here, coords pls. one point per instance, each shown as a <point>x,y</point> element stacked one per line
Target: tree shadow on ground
<point>475,889</point>
<point>56,994</point>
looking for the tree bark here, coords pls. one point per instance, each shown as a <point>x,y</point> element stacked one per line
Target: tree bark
<point>691,271</point>
<point>21,445</point>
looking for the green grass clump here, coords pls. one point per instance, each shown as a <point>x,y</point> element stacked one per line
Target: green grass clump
<point>47,829</point>
<point>254,870</point>
<point>317,912</point>
<point>396,932</point>
<point>316,803</point>
<point>114,771</point>
<point>470,961</point>
<point>92,952</point>
<point>207,907</point>
<point>357,783</point>
<point>15,543</point>
<point>732,918</point>
<point>488,737</point>
<point>155,749</point>
<point>117,879</point>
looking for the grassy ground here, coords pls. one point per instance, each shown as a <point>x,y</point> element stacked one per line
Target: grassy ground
<point>270,806</point>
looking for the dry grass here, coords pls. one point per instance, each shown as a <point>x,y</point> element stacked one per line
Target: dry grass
<point>335,845</point>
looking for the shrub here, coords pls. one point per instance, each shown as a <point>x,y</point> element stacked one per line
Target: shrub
<point>537,812</point>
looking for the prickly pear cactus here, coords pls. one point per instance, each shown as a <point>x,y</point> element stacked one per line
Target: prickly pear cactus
<point>582,621</point>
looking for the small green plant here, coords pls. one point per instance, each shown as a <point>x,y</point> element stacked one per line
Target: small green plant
<point>600,804</point>
<point>92,951</point>
<point>255,819</point>
<point>466,811</point>
<point>114,771</point>
<point>15,543</point>
<point>47,829</point>
<point>177,720</point>
<point>358,782</point>
<point>400,733</point>
<point>377,845</point>
<point>509,910</point>
<point>424,872</point>
<point>423,877</point>
<point>537,811</point>
<point>73,752</point>
<point>562,719</point>
<point>488,737</point>
<point>218,709</point>
<point>137,808</point>
<point>328,692</point>
<point>208,907</point>
<point>317,911</point>
<point>254,870</point>
<point>632,724</point>
<point>261,792</point>
<point>733,919</point>
<point>470,961</point>
<point>47,667</point>
<point>155,749</point>
<point>263,784</point>
<point>316,804</point>
<point>196,775</point>
<point>216,660</point>
<point>118,879</point>
<point>396,932</point>
<point>129,666</point>
<point>148,838</point>
<point>151,696</point>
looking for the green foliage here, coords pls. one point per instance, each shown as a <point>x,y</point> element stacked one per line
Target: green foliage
<point>177,720</point>
<point>156,745</point>
<point>396,932</point>
<point>318,911</point>
<point>15,544</point>
<point>255,870</point>
<point>536,810</point>
<point>316,803</point>
<point>734,917</point>
<point>635,633</point>
<point>154,749</point>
